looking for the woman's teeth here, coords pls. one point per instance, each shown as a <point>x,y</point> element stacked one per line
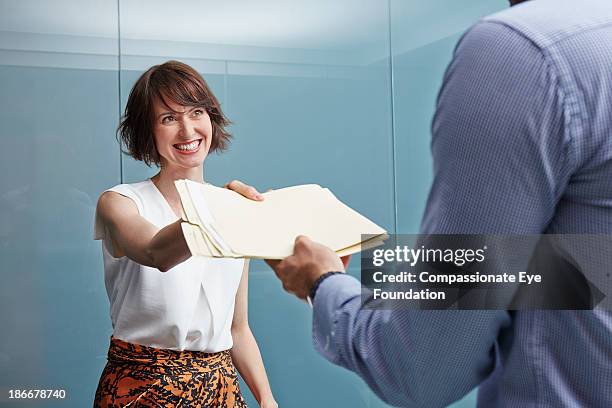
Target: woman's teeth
<point>189,146</point>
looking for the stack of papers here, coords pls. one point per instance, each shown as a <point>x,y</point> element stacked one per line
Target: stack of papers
<point>222,223</point>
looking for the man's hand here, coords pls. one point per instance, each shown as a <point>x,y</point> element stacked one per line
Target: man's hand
<point>245,190</point>
<point>310,260</point>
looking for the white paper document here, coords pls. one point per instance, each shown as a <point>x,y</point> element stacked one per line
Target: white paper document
<point>223,223</point>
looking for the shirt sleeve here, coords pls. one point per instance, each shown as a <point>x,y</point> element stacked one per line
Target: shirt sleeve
<point>501,159</point>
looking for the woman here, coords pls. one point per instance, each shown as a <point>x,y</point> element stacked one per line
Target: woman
<point>179,323</point>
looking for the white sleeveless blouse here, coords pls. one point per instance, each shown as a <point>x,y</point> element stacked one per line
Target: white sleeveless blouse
<point>189,307</point>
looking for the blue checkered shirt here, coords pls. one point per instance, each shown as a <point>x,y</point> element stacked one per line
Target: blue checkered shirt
<point>522,144</point>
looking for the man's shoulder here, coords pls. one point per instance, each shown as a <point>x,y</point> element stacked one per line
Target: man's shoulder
<point>545,22</point>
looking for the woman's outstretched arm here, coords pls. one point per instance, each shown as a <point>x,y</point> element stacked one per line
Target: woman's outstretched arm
<point>141,241</point>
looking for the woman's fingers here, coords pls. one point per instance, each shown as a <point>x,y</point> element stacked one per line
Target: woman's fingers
<point>245,190</point>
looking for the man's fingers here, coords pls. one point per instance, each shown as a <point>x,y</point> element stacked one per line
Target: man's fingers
<point>280,274</point>
<point>302,240</point>
<point>273,263</point>
<point>345,260</point>
<point>244,190</point>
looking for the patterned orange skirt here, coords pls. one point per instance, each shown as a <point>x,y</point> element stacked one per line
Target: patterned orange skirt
<point>141,376</point>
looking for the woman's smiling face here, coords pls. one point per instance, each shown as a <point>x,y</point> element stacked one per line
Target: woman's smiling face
<point>183,134</point>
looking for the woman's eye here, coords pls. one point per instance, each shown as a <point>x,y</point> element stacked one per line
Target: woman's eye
<point>167,119</point>
<point>198,112</point>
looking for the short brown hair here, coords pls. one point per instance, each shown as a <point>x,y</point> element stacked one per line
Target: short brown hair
<point>181,84</point>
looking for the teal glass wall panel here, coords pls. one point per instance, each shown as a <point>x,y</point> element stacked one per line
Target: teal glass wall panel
<point>59,98</point>
<point>310,130</point>
<point>423,37</point>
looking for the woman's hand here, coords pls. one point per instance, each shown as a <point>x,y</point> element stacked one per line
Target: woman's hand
<point>268,403</point>
<point>245,190</point>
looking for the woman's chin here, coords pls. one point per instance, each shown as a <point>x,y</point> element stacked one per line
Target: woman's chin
<point>183,164</point>
<point>191,164</point>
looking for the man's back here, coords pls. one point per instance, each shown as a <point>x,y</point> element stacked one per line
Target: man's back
<point>522,144</point>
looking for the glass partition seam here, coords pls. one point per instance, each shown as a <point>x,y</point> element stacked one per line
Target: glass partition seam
<point>119,84</point>
<point>392,105</point>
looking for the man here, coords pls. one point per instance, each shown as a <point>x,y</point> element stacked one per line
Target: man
<point>522,144</point>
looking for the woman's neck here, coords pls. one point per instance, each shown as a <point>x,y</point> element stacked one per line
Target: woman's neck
<point>164,180</point>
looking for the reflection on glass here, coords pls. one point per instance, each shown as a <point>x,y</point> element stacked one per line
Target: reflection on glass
<point>58,75</point>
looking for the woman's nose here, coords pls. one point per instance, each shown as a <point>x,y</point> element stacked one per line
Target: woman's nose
<point>187,128</point>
